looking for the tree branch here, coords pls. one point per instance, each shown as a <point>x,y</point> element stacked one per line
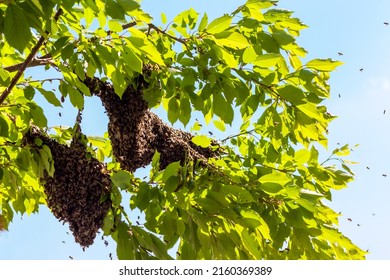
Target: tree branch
<point>47,58</point>
<point>29,59</point>
<point>180,40</point>
<point>40,61</point>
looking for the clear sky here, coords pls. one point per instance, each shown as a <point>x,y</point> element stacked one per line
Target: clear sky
<point>354,28</point>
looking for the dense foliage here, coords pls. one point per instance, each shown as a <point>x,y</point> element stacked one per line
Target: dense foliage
<point>259,194</point>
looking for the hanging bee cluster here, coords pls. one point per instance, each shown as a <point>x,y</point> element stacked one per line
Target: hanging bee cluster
<point>78,193</point>
<point>136,132</point>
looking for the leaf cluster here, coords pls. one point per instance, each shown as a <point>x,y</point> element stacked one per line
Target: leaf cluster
<point>262,198</point>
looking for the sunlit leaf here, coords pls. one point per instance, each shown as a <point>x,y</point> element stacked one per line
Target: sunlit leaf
<point>16,28</point>
<point>220,24</point>
<point>201,140</point>
<point>323,64</point>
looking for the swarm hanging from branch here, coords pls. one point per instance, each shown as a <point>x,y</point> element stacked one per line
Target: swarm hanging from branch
<point>136,132</point>
<point>78,193</point>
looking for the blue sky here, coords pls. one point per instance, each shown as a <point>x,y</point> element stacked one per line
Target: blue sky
<point>354,28</point>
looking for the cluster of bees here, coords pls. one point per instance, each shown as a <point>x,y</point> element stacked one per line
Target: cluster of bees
<point>79,191</point>
<point>136,132</point>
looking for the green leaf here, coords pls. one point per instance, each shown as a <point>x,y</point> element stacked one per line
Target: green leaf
<point>267,60</point>
<point>173,110</point>
<point>3,127</point>
<point>16,28</point>
<point>132,60</point>
<point>343,151</point>
<point>114,26</point>
<point>292,94</point>
<point>241,195</point>
<point>115,10</point>
<point>201,140</point>
<point>185,111</point>
<point>23,160</point>
<point>271,188</point>
<point>275,177</point>
<point>4,77</point>
<point>172,170</point>
<point>29,92</point>
<point>143,197</point>
<point>76,98</point>
<point>156,160</point>
<point>108,222</point>
<point>50,97</point>
<point>310,110</point>
<point>222,108</point>
<point>164,18</point>
<point>37,115</point>
<point>325,65</point>
<point>203,23</point>
<point>124,247</point>
<point>220,125</point>
<point>220,24</point>
<point>251,244</point>
<point>122,179</point>
<point>184,20</point>
<point>232,40</point>
<point>129,5</point>
<point>249,55</point>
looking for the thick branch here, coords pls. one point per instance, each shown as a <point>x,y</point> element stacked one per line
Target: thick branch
<point>40,61</point>
<point>28,60</point>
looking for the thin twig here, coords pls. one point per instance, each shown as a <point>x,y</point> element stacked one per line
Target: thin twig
<point>180,40</point>
<point>238,134</point>
<point>28,60</point>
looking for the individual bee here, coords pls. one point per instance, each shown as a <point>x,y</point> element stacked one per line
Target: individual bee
<point>340,53</point>
<point>70,257</point>
<point>386,23</point>
<point>361,69</point>
<point>384,175</point>
<point>349,220</point>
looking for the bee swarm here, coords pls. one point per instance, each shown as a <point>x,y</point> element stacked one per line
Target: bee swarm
<point>136,132</point>
<point>78,193</point>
